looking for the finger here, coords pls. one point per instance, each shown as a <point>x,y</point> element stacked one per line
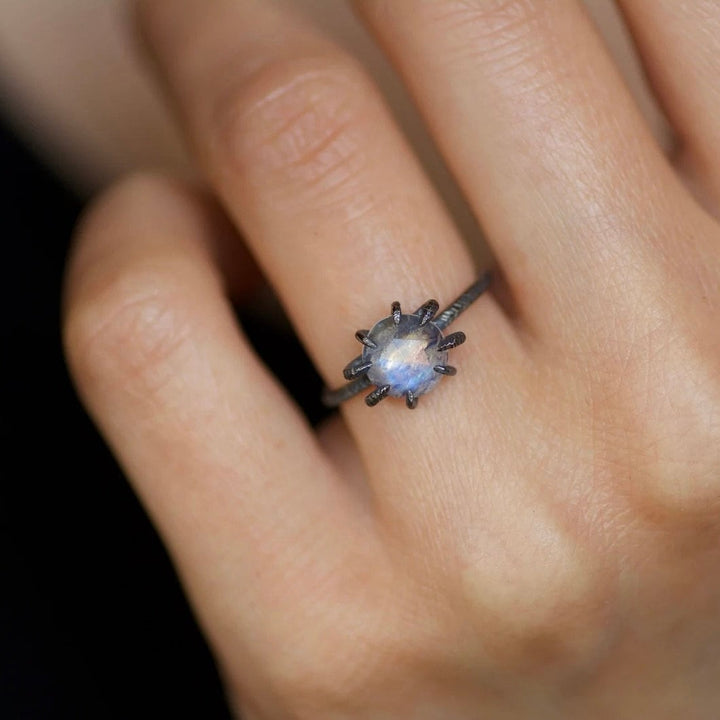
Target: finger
<point>340,447</point>
<point>545,140</point>
<point>331,200</point>
<point>680,47</point>
<point>234,479</point>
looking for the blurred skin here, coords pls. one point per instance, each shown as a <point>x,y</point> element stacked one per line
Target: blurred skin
<point>540,538</point>
<point>79,88</point>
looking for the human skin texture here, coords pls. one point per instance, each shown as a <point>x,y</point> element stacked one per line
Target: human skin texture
<point>76,85</point>
<point>540,538</point>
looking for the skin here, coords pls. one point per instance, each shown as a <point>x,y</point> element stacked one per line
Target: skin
<point>540,538</point>
<point>75,82</point>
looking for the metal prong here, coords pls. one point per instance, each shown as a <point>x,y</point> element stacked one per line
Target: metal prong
<point>377,395</point>
<point>411,400</point>
<point>395,310</point>
<point>451,341</point>
<point>427,311</point>
<point>362,336</point>
<point>356,367</point>
<point>445,369</point>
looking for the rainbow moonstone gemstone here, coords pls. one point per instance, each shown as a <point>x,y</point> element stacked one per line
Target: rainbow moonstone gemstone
<point>405,355</point>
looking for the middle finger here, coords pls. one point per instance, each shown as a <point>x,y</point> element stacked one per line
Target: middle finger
<point>546,141</point>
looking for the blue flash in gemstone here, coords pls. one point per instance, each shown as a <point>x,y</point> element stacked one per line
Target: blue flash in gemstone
<point>405,355</point>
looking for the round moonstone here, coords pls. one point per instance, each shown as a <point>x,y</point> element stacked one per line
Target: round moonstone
<point>405,355</point>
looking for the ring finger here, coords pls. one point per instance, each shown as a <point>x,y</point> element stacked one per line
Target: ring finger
<point>334,206</point>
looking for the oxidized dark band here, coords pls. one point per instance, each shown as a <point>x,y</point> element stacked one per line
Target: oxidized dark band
<point>405,355</point>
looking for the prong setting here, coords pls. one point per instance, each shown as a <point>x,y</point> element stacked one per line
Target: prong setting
<point>378,394</point>
<point>405,355</point>
<point>452,341</point>
<point>362,336</point>
<point>396,312</point>
<point>427,311</point>
<point>357,367</point>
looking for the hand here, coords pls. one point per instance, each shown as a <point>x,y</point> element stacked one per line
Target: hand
<point>541,537</point>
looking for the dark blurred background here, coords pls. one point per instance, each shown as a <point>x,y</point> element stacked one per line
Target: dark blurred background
<point>93,622</point>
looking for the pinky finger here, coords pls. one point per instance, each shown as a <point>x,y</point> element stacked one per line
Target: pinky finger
<point>236,482</point>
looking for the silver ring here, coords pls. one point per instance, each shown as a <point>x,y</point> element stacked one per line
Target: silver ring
<point>405,355</point>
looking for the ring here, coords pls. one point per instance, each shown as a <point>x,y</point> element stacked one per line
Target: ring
<point>405,355</point>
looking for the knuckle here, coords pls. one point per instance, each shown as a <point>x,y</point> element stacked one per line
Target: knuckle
<point>552,615</point>
<point>299,123</point>
<point>678,431</point>
<point>656,390</point>
<point>128,331</point>
<point>127,314</point>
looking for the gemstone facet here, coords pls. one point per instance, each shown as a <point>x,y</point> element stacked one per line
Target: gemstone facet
<point>405,355</point>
